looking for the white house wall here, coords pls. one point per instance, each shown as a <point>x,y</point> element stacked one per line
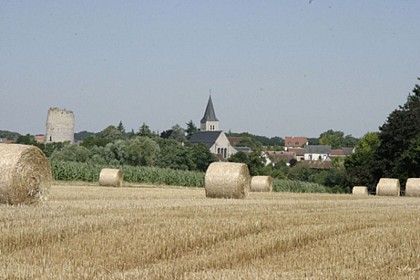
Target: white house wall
<point>316,156</point>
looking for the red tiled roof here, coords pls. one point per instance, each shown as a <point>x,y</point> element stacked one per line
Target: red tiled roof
<point>39,138</point>
<point>291,141</point>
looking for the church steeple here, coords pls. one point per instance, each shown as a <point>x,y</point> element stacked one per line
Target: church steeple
<point>209,122</point>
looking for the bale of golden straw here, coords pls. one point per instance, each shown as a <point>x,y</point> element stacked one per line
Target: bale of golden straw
<point>261,184</point>
<point>111,177</point>
<point>412,187</point>
<point>25,174</point>
<point>227,180</point>
<point>360,190</point>
<point>388,187</point>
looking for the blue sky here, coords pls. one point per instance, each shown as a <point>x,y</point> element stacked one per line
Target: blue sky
<point>274,68</point>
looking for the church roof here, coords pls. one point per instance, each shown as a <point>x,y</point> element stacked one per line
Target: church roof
<point>206,137</point>
<point>209,115</point>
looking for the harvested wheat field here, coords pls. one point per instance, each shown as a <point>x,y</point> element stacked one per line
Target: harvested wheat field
<point>89,232</point>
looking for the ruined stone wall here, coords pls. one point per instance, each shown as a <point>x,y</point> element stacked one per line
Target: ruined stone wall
<point>60,126</point>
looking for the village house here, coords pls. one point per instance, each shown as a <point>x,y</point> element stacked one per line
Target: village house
<point>291,142</point>
<point>273,157</point>
<point>317,152</point>
<point>299,153</point>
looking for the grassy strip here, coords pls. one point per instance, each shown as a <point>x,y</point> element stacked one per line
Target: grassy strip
<point>282,185</point>
<point>77,171</point>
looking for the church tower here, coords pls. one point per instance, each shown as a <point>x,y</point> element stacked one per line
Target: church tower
<point>209,122</point>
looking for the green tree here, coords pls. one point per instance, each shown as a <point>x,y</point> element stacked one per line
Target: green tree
<point>115,153</point>
<point>408,164</point>
<point>166,134</point>
<point>279,170</point>
<point>201,156</point>
<point>249,141</point>
<point>82,135</point>
<point>332,138</point>
<point>334,178</point>
<point>150,151</point>
<point>313,141</point>
<point>111,132</point>
<point>145,131</point>
<point>174,155</point>
<point>71,152</point>
<point>191,129</point>
<point>98,155</point>
<point>9,135</point>
<point>239,157</point>
<point>254,161</point>
<point>26,140</point>
<point>300,172</point>
<point>349,141</point>
<point>397,137</point>
<point>50,148</point>
<point>275,141</point>
<point>178,133</point>
<point>121,128</point>
<point>359,166</point>
<point>92,141</point>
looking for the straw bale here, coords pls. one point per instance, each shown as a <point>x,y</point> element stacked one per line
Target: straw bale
<point>25,176</point>
<point>388,187</point>
<point>261,184</point>
<point>111,177</point>
<point>227,180</point>
<point>360,190</point>
<point>412,187</point>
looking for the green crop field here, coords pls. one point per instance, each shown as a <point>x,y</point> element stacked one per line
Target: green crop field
<point>91,232</point>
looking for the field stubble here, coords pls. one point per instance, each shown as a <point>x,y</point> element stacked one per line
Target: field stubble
<point>89,232</point>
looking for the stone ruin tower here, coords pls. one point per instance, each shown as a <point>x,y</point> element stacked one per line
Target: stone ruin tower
<point>60,126</point>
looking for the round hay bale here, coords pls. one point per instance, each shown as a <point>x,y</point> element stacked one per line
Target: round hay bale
<point>412,187</point>
<point>360,190</point>
<point>111,177</point>
<point>388,187</point>
<point>25,174</point>
<point>261,184</point>
<point>227,180</point>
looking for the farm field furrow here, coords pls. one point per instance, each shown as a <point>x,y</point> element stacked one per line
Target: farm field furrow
<point>91,232</point>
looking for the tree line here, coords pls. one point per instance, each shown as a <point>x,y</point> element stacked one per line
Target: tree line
<point>393,151</point>
<point>113,146</point>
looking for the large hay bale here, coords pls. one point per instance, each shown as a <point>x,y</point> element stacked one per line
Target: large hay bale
<point>111,177</point>
<point>412,187</point>
<point>25,174</point>
<point>227,180</point>
<point>388,187</point>
<point>360,190</point>
<point>261,184</point>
